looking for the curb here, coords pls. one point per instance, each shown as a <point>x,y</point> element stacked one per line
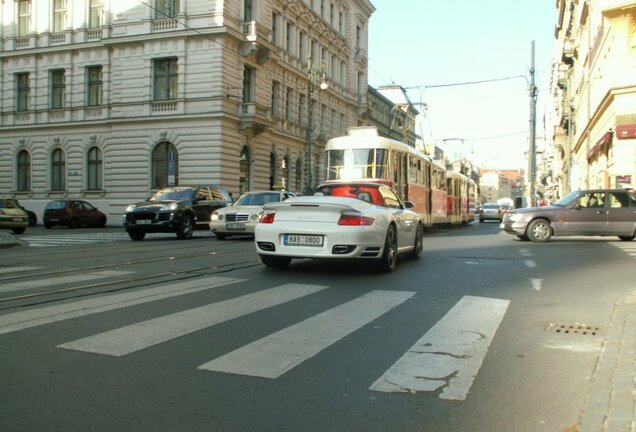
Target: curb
<point>610,404</point>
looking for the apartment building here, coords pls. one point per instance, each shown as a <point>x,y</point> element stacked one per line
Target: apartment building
<point>594,90</point>
<point>110,100</point>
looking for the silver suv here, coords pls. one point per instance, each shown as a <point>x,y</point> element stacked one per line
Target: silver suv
<point>592,212</point>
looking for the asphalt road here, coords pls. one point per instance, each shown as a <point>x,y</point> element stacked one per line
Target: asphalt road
<point>483,333</point>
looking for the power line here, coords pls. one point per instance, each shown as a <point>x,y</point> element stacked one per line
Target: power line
<point>464,83</point>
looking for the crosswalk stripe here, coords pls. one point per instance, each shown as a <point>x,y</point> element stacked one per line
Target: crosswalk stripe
<point>276,354</point>
<point>142,335</point>
<point>449,355</point>
<point>49,314</point>
<point>15,286</point>
<point>17,269</point>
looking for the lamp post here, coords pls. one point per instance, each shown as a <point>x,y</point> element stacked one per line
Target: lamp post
<point>315,72</point>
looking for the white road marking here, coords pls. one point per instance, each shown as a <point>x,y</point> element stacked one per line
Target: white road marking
<point>15,286</point>
<point>277,353</point>
<point>537,284</point>
<point>525,252</point>
<point>126,340</point>
<point>17,269</point>
<point>449,355</point>
<point>530,263</point>
<point>49,314</point>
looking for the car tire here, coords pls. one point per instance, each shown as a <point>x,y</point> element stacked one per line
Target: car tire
<point>185,228</point>
<point>627,238</point>
<point>481,220</point>
<point>523,237</point>
<point>18,230</point>
<point>33,219</point>
<point>48,225</point>
<point>275,261</point>
<point>418,243</point>
<point>539,231</point>
<point>387,262</point>
<point>136,235</point>
<point>73,223</point>
<point>101,223</point>
<point>220,236</point>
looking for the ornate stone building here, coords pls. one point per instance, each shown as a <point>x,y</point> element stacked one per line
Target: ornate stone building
<point>110,100</point>
<point>594,88</point>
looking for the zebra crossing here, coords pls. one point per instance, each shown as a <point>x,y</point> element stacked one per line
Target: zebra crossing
<point>447,357</point>
<point>68,239</point>
<point>628,247</point>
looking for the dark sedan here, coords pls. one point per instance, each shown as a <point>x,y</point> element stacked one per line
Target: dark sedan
<point>594,212</point>
<point>72,213</point>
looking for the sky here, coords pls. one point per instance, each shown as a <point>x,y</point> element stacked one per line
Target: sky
<point>427,46</point>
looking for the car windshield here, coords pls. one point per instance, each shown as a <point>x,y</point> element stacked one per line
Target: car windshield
<point>172,194</point>
<point>257,199</point>
<point>8,203</point>
<point>56,205</point>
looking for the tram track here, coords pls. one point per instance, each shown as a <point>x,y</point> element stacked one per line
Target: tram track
<point>148,280</point>
<point>229,257</point>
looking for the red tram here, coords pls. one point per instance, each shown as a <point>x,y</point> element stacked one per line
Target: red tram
<point>441,197</point>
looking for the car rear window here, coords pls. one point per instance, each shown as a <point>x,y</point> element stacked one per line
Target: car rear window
<point>56,205</point>
<point>8,203</point>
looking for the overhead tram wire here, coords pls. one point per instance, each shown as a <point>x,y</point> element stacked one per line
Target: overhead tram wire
<point>464,83</point>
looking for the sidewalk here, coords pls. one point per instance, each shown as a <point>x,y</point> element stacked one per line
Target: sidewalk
<point>610,404</point>
<point>7,239</point>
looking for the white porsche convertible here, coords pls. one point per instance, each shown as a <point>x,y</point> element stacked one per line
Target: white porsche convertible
<point>341,221</point>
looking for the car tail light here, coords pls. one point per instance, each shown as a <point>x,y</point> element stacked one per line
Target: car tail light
<point>267,217</point>
<point>354,220</point>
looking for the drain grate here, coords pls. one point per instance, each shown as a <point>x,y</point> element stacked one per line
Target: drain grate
<point>574,329</point>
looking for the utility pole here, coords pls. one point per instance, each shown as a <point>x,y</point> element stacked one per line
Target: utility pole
<point>532,160</point>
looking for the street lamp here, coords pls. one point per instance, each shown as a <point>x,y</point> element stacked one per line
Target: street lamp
<point>315,73</point>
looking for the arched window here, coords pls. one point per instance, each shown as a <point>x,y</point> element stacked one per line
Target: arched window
<point>165,166</point>
<point>244,170</point>
<point>94,168</point>
<point>24,171</point>
<point>299,175</point>
<point>272,170</point>
<point>58,170</point>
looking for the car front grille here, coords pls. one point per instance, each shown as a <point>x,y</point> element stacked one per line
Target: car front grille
<point>237,217</point>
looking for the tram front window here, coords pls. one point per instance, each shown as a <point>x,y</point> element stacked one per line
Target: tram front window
<point>356,164</point>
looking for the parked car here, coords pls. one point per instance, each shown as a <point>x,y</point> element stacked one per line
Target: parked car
<point>241,217</point>
<point>33,219</point>
<point>593,212</point>
<point>72,213</point>
<point>342,221</point>
<point>12,216</point>
<point>177,209</point>
<point>493,211</point>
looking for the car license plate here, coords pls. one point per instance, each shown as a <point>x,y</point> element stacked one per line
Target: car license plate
<point>303,240</point>
<point>235,225</point>
<point>143,221</point>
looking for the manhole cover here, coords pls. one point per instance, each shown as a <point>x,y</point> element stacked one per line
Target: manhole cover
<point>574,329</point>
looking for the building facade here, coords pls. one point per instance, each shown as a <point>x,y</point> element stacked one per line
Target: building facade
<point>594,89</point>
<point>111,100</point>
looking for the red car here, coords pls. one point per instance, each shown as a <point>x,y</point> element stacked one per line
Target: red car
<point>73,213</point>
